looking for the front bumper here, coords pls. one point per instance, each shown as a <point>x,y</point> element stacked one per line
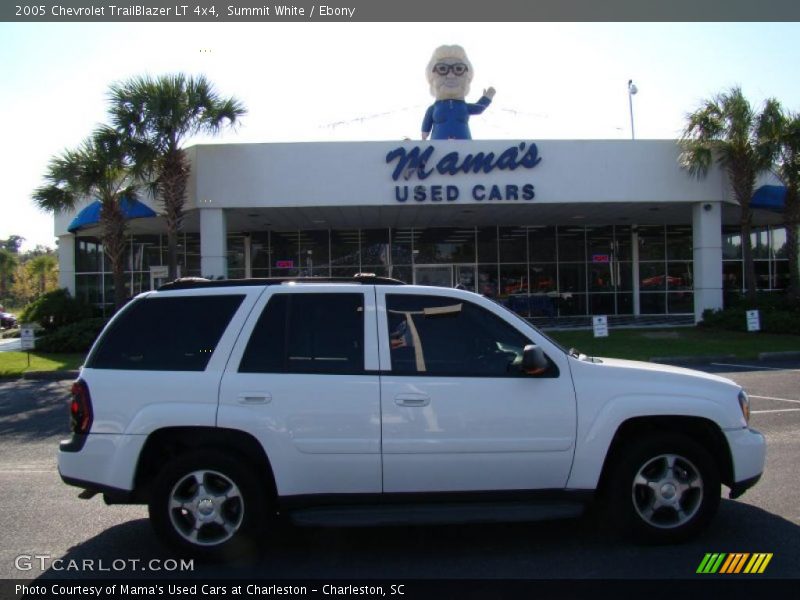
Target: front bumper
<point>749,453</point>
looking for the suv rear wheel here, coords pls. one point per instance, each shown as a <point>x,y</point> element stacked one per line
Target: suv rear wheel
<point>205,504</point>
<point>664,489</point>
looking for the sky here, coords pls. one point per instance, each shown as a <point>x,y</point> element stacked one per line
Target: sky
<point>366,81</point>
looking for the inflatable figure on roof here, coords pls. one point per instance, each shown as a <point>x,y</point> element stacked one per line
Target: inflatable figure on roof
<point>449,75</point>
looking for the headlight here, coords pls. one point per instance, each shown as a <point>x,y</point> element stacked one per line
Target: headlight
<point>744,404</point>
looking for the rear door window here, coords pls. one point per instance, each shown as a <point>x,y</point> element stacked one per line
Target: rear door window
<point>308,333</point>
<point>178,333</point>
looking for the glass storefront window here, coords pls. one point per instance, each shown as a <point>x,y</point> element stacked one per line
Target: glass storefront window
<point>89,288</point>
<point>623,276</point>
<point>652,276</point>
<point>760,243</point>
<point>572,305</point>
<point>680,302</point>
<point>651,242</point>
<point>513,244</point>
<point>375,248</point>
<point>235,256</point>
<point>779,249</point>
<point>601,304</point>
<point>600,244</point>
<point>543,278</point>
<point>259,253</point>
<point>402,246</point>
<point>624,304</point>
<point>679,276</point>
<point>680,242</point>
<point>542,244</point>
<point>444,245</point>
<point>513,280</point>
<point>487,280</point>
<point>402,273</point>
<point>571,277</point>
<point>88,255</point>
<point>487,245</point>
<point>571,244</point>
<point>731,243</point>
<point>345,248</point>
<point>622,242</point>
<point>732,275</point>
<point>284,255</point>
<point>780,274</point>
<point>600,277</point>
<point>652,304</point>
<point>314,252</point>
<point>762,274</point>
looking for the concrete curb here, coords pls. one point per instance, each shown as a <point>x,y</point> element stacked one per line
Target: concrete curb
<point>691,359</point>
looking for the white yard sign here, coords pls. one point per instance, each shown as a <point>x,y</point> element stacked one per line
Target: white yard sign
<point>600,325</point>
<point>753,320</point>
<point>27,337</point>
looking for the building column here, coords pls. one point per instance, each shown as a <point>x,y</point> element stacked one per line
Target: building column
<point>213,243</point>
<point>637,307</point>
<point>66,263</point>
<point>707,243</point>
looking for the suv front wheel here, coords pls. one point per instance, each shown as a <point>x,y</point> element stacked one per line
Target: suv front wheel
<point>205,504</point>
<point>664,489</point>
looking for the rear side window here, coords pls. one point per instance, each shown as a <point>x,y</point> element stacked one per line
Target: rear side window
<point>166,334</point>
<point>308,333</point>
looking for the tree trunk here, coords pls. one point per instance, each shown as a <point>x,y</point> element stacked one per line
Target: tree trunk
<point>743,182</point>
<point>113,223</point>
<point>172,192</point>
<point>747,255</point>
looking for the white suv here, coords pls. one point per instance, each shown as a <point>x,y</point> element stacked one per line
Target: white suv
<point>366,401</point>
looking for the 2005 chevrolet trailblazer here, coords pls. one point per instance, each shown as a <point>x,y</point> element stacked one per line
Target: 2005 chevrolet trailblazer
<point>363,401</point>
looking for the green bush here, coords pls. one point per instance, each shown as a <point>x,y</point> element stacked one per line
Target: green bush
<point>75,337</point>
<point>55,309</point>
<point>779,314</point>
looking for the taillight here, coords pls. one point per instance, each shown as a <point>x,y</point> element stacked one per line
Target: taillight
<point>80,408</point>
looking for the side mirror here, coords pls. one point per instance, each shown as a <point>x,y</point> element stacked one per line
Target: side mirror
<point>534,362</point>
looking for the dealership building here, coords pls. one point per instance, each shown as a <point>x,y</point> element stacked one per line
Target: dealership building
<point>558,230</point>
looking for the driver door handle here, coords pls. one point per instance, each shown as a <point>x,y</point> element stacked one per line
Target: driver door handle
<point>417,400</point>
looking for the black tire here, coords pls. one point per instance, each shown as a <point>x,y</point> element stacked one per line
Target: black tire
<point>222,520</point>
<point>663,489</point>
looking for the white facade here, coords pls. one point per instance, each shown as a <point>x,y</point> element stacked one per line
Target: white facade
<point>342,186</point>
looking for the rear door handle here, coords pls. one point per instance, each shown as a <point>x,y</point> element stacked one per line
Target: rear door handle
<point>412,400</point>
<point>255,398</point>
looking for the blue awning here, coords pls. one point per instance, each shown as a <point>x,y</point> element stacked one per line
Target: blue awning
<point>132,209</point>
<point>770,197</point>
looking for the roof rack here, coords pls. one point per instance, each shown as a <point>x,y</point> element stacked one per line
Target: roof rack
<point>190,283</point>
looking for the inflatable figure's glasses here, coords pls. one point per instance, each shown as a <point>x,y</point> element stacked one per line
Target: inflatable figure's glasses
<point>443,69</point>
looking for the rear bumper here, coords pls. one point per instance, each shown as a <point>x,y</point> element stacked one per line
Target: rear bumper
<point>749,452</point>
<point>100,461</point>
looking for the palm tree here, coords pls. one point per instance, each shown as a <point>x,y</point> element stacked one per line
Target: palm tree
<point>42,267</point>
<point>788,171</point>
<point>8,263</point>
<point>102,167</point>
<point>727,130</point>
<point>163,113</point>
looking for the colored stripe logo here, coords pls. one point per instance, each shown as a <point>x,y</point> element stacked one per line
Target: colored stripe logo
<point>734,563</point>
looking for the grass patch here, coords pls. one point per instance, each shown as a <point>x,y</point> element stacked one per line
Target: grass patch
<point>14,364</point>
<point>643,344</point>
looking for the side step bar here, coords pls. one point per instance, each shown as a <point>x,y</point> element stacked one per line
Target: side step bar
<point>439,513</point>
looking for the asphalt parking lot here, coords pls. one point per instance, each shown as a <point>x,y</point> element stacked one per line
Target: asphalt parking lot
<point>42,517</point>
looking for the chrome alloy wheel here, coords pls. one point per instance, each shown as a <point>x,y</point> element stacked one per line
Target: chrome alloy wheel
<point>667,491</point>
<point>206,508</point>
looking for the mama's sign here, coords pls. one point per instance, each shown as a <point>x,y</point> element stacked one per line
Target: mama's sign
<point>420,163</point>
